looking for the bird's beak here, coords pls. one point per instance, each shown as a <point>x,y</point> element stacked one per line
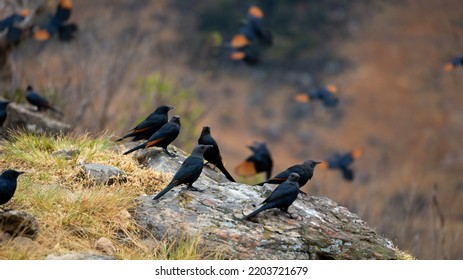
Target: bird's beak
<point>317,162</point>
<point>21,172</point>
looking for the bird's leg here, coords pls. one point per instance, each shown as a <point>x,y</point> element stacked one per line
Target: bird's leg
<point>303,193</point>
<point>289,214</point>
<point>169,153</point>
<point>191,188</point>
<point>210,165</point>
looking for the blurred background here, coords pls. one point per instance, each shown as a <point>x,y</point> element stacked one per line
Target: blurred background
<point>385,57</point>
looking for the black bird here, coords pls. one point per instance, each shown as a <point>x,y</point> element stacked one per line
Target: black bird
<point>8,183</point>
<point>188,172</point>
<point>259,161</point>
<point>454,63</point>
<point>282,197</point>
<point>241,49</point>
<point>304,170</point>
<point>325,94</point>
<point>163,137</point>
<point>150,125</point>
<point>58,24</point>
<point>13,33</point>
<point>212,155</point>
<point>3,112</point>
<point>343,162</point>
<point>37,100</point>
<point>254,28</point>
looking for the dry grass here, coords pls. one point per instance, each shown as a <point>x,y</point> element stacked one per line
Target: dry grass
<point>73,211</point>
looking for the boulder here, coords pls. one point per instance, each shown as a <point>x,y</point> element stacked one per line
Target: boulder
<point>79,256</point>
<point>24,117</point>
<point>18,223</point>
<point>321,229</point>
<point>103,174</point>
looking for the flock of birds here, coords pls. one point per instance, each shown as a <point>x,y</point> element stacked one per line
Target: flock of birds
<point>156,130</point>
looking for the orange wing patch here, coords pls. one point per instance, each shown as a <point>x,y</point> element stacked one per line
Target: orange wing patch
<point>302,98</point>
<point>324,165</point>
<point>256,12</point>
<point>237,55</point>
<point>448,67</point>
<point>65,4</point>
<point>140,130</point>
<point>332,88</point>
<point>154,142</point>
<point>42,35</point>
<point>239,41</point>
<point>246,168</point>
<point>24,12</point>
<point>357,153</point>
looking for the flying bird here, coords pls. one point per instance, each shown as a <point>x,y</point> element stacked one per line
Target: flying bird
<point>342,161</point>
<point>58,24</point>
<point>282,197</point>
<point>188,172</point>
<point>10,24</point>
<point>3,111</point>
<point>304,170</point>
<point>259,161</point>
<point>41,102</point>
<point>149,125</point>
<point>212,155</point>
<point>324,94</point>
<point>253,27</point>
<point>454,63</point>
<point>8,183</point>
<point>241,49</point>
<point>163,137</point>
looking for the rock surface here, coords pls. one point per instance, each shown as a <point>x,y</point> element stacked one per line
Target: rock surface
<point>79,256</point>
<point>18,223</point>
<point>103,174</point>
<point>322,229</point>
<point>25,118</point>
<point>105,245</point>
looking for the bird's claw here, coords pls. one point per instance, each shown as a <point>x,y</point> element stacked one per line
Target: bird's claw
<point>191,188</point>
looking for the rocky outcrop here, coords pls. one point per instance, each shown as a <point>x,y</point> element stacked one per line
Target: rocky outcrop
<point>321,230</point>
<point>24,117</point>
<point>103,174</point>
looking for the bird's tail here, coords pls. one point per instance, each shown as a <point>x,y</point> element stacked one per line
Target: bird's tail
<point>66,32</point>
<point>255,212</point>
<point>164,191</point>
<point>56,111</point>
<point>141,146</point>
<point>221,167</point>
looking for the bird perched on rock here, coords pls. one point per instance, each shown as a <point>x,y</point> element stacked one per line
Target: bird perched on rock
<point>3,112</point>
<point>212,155</point>
<point>37,100</point>
<point>253,28</point>
<point>343,162</point>
<point>188,172</point>
<point>58,24</point>
<point>163,137</point>
<point>8,183</point>
<point>241,49</point>
<point>13,33</point>
<point>304,170</point>
<point>259,161</point>
<point>282,197</point>
<point>454,63</point>
<point>325,94</point>
<point>149,125</point>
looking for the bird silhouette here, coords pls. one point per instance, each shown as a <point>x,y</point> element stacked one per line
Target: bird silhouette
<point>189,171</point>
<point>324,94</point>
<point>342,161</point>
<point>282,197</point>
<point>259,161</point>
<point>3,111</point>
<point>304,170</point>
<point>58,24</point>
<point>212,155</point>
<point>39,101</point>
<point>8,184</point>
<point>10,24</point>
<point>149,125</point>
